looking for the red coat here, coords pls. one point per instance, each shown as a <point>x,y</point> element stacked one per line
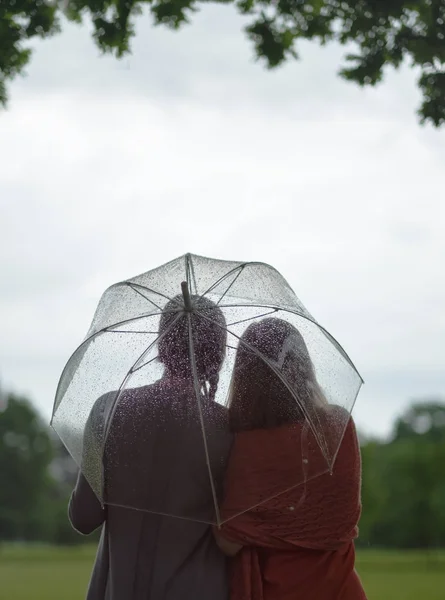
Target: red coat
<point>299,545</point>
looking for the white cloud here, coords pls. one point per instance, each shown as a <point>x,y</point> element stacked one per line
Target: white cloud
<point>107,171</point>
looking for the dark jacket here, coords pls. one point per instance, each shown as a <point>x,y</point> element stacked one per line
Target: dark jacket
<point>155,462</point>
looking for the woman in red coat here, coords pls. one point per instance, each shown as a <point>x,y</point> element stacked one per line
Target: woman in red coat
<point>296,544</point>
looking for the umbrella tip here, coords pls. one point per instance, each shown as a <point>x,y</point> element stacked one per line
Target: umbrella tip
<point>186,295</point>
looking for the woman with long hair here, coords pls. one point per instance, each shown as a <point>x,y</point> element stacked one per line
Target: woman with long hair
<point>288,541</point>
<point>154,461</point>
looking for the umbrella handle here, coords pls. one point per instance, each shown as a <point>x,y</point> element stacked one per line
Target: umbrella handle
<point>186,295</point>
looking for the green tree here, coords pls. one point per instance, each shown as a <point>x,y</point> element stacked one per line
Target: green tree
<point>409,517</point>
<point>380,33</point>
<point>37,476</point>
<point>20,22</point>
<point>403,489</point>
<point>373,491</point>
<point>25,454</point>
<point>64,472</point>
<point>423,420</point>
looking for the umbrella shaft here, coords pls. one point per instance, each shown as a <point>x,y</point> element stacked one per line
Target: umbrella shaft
<point>186,296</point>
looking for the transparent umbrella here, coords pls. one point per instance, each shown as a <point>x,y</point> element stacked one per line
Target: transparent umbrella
<point>142,405</point>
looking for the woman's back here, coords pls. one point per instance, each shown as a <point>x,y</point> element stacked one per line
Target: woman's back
<point>298,544</point>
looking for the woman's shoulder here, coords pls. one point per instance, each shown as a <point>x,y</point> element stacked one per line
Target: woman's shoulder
<point>338,416</point>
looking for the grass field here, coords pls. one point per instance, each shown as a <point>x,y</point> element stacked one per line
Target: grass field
<point>41,573</point>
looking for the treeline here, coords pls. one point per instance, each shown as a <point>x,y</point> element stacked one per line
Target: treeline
<point>403,487</point>
<point>36,478</point>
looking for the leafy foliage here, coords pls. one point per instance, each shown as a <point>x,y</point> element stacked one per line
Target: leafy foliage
<point>382,32</point>
<point>403,483</point>
<point>33,502</point>
<point>423,420</point>
<point>25,453</point>
<point>20,21</point>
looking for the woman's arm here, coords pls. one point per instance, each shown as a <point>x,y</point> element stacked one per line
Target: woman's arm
<point>229,548</point>
<point>85,511</point>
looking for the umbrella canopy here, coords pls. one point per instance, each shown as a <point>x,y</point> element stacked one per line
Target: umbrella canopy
<point>177,358</point>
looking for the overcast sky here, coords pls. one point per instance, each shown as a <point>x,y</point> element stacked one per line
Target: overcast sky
<point>108,169</point>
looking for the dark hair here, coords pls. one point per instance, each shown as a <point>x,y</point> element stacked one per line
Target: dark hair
<point>209,338</point>
<point>259,399</point>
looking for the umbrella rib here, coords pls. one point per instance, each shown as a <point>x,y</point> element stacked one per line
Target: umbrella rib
<point>145,364</point>
<point>84,343</point>
<point>278,374</point>
<point>271,312</point>
<point>233,281</point>
<point>134,288</point>
<point>190,273</point>
<point>201,417</point>
<point>108,328</point>
<point>160,513</point>
<point>130,373</point>
<point>242,266</point>
<point>89,339</point>
<point>218,281</point>
<point>193,274</point>
<point>187,269</point>
<point>289,489</point>
<point>334,458</point>
<point>130,320</point>
<point>300,314</point>
<point>144,287</point>
<point>129,331</point>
